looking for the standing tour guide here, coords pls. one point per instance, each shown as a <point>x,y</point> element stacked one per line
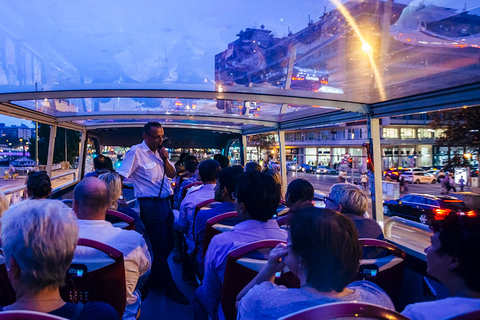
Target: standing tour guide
<point>148,167</point>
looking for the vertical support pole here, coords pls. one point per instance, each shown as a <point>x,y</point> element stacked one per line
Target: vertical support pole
<point>51,148</point>
<point>243,151</point>
<point>373,126</point>
<point>36,142</point>
<point>81,157</point>
<point>283,159</point>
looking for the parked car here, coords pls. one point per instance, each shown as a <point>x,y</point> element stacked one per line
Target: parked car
<point>274,165</point>
<point>291,166</point>
<point>434,173</point>
<point>325,170</point>
<point>308,168</point>
<point>413,170</point>
<point>418,177</point>
<point>425,208</point>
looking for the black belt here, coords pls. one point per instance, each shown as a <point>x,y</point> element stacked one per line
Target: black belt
<point>152,198</point>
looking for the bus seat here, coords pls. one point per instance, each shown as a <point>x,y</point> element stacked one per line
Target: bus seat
<point>27,315</point>
<point>345,309</point>
<point>127,222</point>
<point>243,264</point>
<point>201,206</point>
<point>284,220</point>
<point>97,279</point>
<point>467,316</point>
<point>7,294</point>
<point>390,268</point>
<point>216,226</point>
<point>188,186</point>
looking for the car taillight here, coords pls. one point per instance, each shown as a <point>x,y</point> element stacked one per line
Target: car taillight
<point>441,213</point>
<point>471,213</point>
<point>395,173</point>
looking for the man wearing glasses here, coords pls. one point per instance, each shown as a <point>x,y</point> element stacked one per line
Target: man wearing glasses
<point>148,166</point>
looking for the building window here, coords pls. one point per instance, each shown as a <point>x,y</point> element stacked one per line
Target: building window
<point>298,136</point>
<point>407,133</point>
<point>424,133</point>
<point>439,133</point>
<point>340,134</point>
<point>390,133</point>
<point>324,135</point>
<point>311,136</point>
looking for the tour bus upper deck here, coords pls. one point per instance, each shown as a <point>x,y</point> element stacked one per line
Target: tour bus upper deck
<point>382,58</point>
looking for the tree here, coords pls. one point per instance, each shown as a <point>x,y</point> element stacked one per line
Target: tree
<point>73,139</point>
<point>461,128</point>
<point>262,142</point>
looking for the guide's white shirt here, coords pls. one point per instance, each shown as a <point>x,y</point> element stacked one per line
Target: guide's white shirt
<point>145,168</point>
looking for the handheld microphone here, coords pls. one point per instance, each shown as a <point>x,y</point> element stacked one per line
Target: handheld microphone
<point>160,147</point>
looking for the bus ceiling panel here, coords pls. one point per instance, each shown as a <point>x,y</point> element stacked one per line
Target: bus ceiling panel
<point>321,120</point>
<point>136,119</point>
<point>456,97</point>
<point>178,101</point>
<point>177,137</point>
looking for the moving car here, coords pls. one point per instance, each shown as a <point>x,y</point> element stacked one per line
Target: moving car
<point>325,169</point>
<point>392,173</point>
<point>424,207</point>
<point>418,177</point>
<point>308,168</point>
<point>291,166</point>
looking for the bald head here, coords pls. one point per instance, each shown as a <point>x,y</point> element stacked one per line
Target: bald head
<point>91,199</point>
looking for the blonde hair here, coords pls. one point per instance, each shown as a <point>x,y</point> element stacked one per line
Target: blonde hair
<point>4,203</point>
<point>114,184</point>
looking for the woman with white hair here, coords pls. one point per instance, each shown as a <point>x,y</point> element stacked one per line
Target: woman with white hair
<point>114,183</point>
<point>39,239</point>
<point>350,200</point>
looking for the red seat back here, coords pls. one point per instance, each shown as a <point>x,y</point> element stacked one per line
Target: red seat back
<point>127,219</point>
<point>211,231</point>
<point>240,270</point>
<point>27,315</point>
<point>345,309</point>
<point>103,281</point>
<point>391,268</point>
<point>198,207</point>
<point>188,186</point>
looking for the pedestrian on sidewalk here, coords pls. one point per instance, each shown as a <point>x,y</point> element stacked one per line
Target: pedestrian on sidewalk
<point>461,183</point>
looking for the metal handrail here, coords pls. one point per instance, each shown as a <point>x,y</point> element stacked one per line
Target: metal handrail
<point>65,174</point>
<point>409,223</point>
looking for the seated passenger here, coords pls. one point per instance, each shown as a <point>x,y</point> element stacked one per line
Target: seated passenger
<point>454,259</point>
<point>322,250</point>
<point>250,166</point>
<point>257,198</point>
<point>350,200</point>
<point>101,164</point>
<point>207,171</point>
<point>299,195</point>
<point>223,192</point>
<point>180,165</point>
<point>39,239</point>
<point>191,177</point>
<point>90,202</point>
<point>114,184</point>
<point>223,160</point>
<point>38,185</point>
<point>278,179</point>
